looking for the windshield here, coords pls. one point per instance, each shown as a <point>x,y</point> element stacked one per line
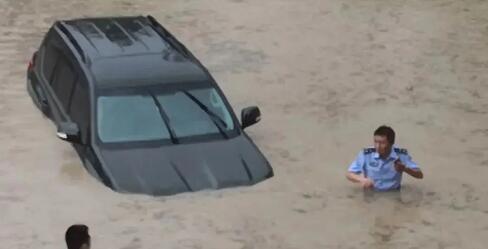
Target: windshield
<point>170,115</point>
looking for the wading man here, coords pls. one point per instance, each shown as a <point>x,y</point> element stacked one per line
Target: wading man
<point>381,168</point>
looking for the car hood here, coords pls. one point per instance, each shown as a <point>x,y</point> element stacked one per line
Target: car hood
<point>179,168</point>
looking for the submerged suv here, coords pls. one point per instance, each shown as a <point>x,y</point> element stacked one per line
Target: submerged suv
<point>144,115</point>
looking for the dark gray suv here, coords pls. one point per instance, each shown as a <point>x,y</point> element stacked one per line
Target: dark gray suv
<point>144,115</point>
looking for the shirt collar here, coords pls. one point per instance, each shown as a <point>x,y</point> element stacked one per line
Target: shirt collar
<point>376,155</point>
<point>392,155</point>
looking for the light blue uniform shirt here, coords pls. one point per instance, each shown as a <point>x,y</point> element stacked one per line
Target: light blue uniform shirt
<point>382,171</point>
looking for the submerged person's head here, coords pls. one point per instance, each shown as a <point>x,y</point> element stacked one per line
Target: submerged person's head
<point>77,237</point>
<point>384,138</point>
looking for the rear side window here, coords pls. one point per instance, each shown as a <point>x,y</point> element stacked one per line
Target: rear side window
<point>63,81</point>
<point>50,58</point>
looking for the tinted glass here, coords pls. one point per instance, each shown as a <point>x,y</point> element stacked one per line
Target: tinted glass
<point>63,81</point>
<point>188,119</point>
<point>49,61</point>
<point>136,117</point>
<point>129,118</point>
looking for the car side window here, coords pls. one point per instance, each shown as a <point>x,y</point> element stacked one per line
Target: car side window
<point>63,81</point>
<point>79,109</point>
<point>50,57</point>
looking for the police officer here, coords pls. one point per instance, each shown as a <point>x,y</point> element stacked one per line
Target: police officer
<point>381,168</point>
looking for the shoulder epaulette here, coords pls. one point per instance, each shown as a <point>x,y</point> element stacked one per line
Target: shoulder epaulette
<point>369,150</point>
<point>401,151</point>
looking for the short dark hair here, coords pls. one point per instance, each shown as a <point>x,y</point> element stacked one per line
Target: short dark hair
<point>386,131</point>
<point>76,236</point>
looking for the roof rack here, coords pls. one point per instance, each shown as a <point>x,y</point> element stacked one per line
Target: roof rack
<point>63,28</point>
<point>167,36</point>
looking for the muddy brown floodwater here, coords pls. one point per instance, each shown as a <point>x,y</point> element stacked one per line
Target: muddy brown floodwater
<point>325,74</point>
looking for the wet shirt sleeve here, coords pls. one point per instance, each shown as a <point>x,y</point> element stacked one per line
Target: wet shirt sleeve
<point>358,164</point>
<point>407,160</point>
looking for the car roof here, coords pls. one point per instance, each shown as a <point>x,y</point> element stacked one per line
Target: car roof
<point>123,51</point>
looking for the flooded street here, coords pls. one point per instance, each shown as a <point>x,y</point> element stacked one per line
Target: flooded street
<point>325,74</point>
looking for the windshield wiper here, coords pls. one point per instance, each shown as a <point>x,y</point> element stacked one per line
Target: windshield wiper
<point>215,118</point>
<point>165,117</point>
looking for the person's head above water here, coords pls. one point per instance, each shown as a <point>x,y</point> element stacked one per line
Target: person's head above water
<point>77,237</point>
<point>384,138</point>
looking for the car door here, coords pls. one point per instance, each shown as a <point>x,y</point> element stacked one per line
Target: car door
<point>62,85</point>
<point>59,77</point>
<point>79,113</point>
<point>79,108</point>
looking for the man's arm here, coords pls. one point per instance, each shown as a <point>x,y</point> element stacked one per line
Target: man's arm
<point>355,172</point>
<point>359,178</point>
<point>417,173</point>
<point>356,178</point>
<point>409,167</point>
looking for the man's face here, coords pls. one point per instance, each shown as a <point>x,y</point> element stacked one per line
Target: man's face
<point>381,145</point>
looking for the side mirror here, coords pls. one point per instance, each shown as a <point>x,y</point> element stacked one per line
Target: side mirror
<point>69,131</point>
<point>249,116</point>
